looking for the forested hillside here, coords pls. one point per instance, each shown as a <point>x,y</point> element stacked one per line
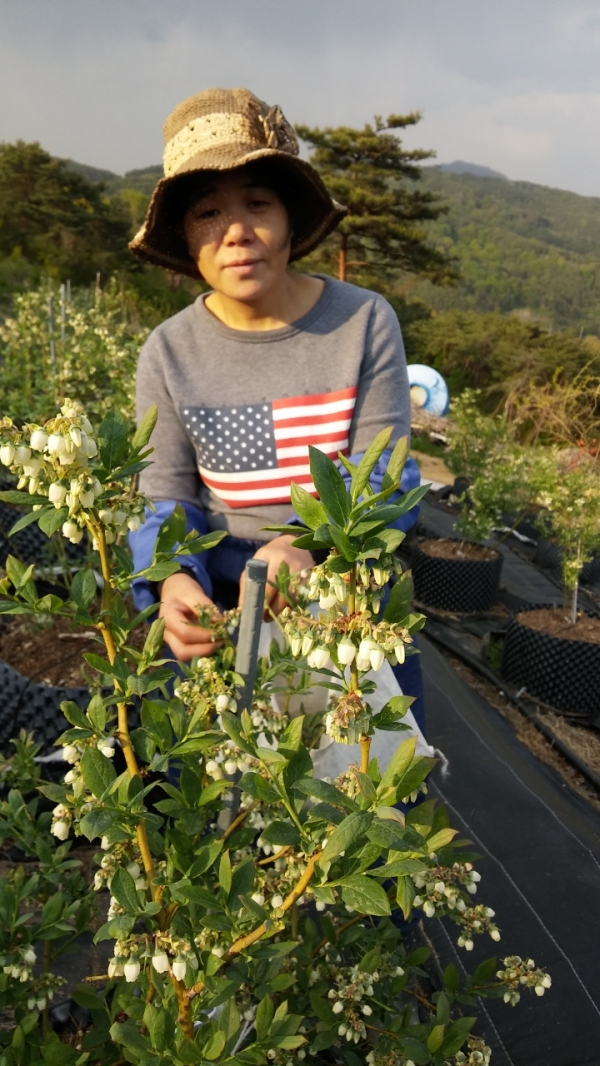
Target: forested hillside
<point>521,247</point>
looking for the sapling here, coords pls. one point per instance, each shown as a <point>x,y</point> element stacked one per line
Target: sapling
<point>267,936</point>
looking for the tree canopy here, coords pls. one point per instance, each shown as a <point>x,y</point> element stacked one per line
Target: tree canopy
<point>55,219</point>
<point>383,235</point>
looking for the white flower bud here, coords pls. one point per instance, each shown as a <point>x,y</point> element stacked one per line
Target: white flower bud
<point>38,440</point>
<point>87,498</point>
<point>32,467</point>
<point>214,770</point>
<point>30,957</point>
<point>133,523</point>
<point>495,934</point>
<point>105,516</point>
<point>377,658</point>
<point>367,1010</point>
<point>106,748</point>
<point>75,435</point>
<point>318,658</point>
<point>338,1007</point>
<point>119,517</point>
<point>71,531</point>
<point>22,453</point>
<point>7,454</point>
<point>342,1030</point>
<point>60,829</point>
<point>230,766</point>
<point>179,969</point>
<point>56,494</point>
<point>469,945</point>
<point>70,753</point>
<point>258,898</point>
<point>327,601</point>
<point>219,952</point>
<point>31,1003</point>
<point>429,908</point>
<point>60,811</point>
<point>320,905</point>
<point>296,646</point>
<point>307,643</point>
<point>160,961</point>
<point>400,652</point>
<point>362,665</point>
<point>276,901</point>
<point>131,970</point>
<point>222,702</point>
<point>366,647</point>
<point>141,883</point>
<point>133,869</point>
<point>346,651</point>
<point>55,444</point>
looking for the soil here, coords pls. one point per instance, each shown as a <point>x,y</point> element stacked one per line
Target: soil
<point>48,649</point>
<point>584,742</point>
<point>443,548</point>
<point>552,620</point>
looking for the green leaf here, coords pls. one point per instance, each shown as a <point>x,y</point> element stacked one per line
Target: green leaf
<point>52,909</point>
<point>122,887</point>
<point>33,516</point>
<point>436,1038</point>
<point>405,894</point>
<point>160,1025</point>
<point>343,544</point>
<point>98,771</point>
<point>398,764</point>
<point>172,531</point>
<point>451,978</point>
<point>322,790</point>
<point>225,876</point>
<point>387,834</point>
<point>214,1047</point>
<point>484,972</point>
<point>456,1035</point>
<point>50,520</point>
<point>112,438</point>
<point>97,713</point>
<point>242,881</point>
<point>281,833</point>
<point>83,588</point>
<point>145,429</point>
<point>394,709</point>
<point>401,595</point>
<point>309,510</point>
<point>96,823</point>
<point>155,721</point>
<point>396,463</point>
<point>264,1017</point>
<point>18,497</point>
<point>352,828</point>
<point>233,727</point>
<point>364,895</point>
<point>366,786</point>
<point>439,840</point>
<point>258,788</point>
<point>367,463</point>
<point>74,714</point>
<point>330,485</point>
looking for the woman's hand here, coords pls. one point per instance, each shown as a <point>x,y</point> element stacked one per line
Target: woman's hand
<point>180,597</point>
<point>275,552</point>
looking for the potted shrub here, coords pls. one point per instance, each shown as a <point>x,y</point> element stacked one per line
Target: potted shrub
<point>266,936</point>
<point>554,652</point>
<point>463,574</point>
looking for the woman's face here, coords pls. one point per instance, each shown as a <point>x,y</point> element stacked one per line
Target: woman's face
<point>239,235</point>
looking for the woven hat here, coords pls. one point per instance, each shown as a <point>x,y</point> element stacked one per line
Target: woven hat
<point>221,129</point>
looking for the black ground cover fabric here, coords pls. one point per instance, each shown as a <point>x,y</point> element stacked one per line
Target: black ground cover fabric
<point>540,872</point>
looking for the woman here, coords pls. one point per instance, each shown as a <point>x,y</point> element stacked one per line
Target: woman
<point>267,363</point>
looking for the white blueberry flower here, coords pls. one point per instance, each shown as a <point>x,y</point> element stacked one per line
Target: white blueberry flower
<point>346,651</point>
<point>276,901</point>
<point>367,1010</point>
<point>219,952</point>
<point>60,829</point>
<point>7,454</point>
<point>106,748</point>
<point>296,646</point>
<point>133,869</point>
<point>338,1007</point>
<point>307,643</point>
<point>222,702</point>
<point>230,766</point>
<point>214,770</point>
<point>258,898</point>
<point>327,600</point>
<point>160,961</point>
<point>22,453</point>
<point>38,440</point>
<point>495,934</point>
<point>131,970</point>
<point>87,498</point>
<point>377,658</point>
<point>429,908</point>
<point>105,843</point>
<point>179,969</point>
<point>55,444</point>
<point>56,494</point>
<point>72,532</point>
<point>133,523</point>
<point>318,658</point>
<point>30,957</point>
<point>320,905</point>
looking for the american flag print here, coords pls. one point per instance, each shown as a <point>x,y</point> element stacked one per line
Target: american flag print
<point>249,454</point>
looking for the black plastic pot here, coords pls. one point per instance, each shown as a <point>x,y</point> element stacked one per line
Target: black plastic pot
<point>25,704</point>
<point>465,585</point>
<point>549,556</point>
<point>562,673</point>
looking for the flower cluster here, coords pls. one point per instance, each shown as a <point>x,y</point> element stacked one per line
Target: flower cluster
<point>20,964</point>
<point>353,987</point>
<point>440,892</point>
<point>520,973</point>
<point>477,1053</point>
<point>166,953</point>
<point>55,461</point>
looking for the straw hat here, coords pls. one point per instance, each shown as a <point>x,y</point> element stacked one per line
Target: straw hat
<point>221,129</point>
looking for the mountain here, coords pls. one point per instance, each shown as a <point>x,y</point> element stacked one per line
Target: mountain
<point>460,167</point>
<point>521,248</point>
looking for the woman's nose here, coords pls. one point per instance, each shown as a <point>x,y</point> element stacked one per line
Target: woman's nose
<point>238,231</point>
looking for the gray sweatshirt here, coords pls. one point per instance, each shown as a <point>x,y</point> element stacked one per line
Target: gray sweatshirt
<point>238,409</point>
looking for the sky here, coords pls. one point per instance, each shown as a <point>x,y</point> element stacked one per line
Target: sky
<point>509,84</point>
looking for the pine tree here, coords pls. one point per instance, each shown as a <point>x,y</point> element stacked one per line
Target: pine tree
<point>383,236</point>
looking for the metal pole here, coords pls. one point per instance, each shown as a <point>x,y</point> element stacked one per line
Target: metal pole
<point>51,331</point>
<point>250,623</point>
<point>63,317</point>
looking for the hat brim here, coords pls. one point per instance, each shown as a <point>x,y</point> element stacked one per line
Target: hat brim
<point>161,240</point>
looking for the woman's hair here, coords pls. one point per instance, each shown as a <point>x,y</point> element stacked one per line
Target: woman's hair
<point>272,174</point>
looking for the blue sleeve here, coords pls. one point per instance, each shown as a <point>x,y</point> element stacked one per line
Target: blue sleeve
<point>411,479</point>
<point>142,547</point>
